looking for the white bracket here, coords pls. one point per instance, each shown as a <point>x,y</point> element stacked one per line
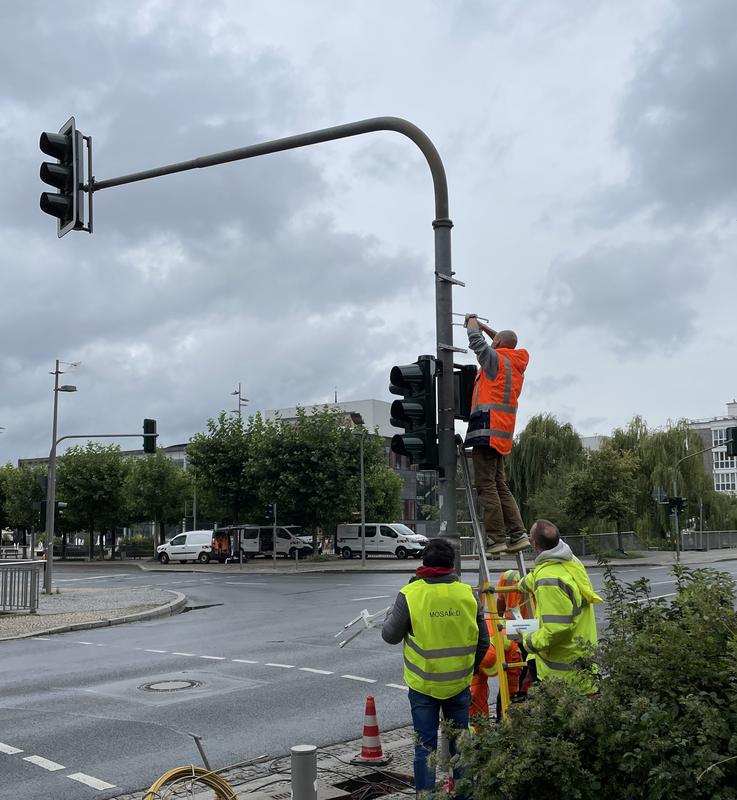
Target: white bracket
<point>369,621</point>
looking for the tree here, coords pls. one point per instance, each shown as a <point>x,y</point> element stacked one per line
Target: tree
<point>604,487</point>
<point>155,490</point>
<point>4,478</point>
<point>221,458</point>
<point>544,451</point>
<point>22,490</point>
<point>90,480</point>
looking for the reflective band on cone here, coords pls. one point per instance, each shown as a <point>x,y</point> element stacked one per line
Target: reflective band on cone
<point>371,750</point>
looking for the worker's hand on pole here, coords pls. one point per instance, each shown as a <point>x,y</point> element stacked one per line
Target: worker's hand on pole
<point>471,321</point>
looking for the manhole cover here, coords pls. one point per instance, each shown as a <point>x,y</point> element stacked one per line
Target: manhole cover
<point>170,686</point>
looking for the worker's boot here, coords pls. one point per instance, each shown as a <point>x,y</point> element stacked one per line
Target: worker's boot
<point>497,548</point>
<point>517,542</point>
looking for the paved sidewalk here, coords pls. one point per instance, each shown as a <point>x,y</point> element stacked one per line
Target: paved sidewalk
<point>265,566</point>
<point>270,779</point>
<point>79,609</point>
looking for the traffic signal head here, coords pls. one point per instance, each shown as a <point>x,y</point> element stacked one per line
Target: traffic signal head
<point>464,379</point>
<point>416,413</point>
<point>269,511</point>
<point>730,439</point>
<point>149,435</point>
<point>64,175</point>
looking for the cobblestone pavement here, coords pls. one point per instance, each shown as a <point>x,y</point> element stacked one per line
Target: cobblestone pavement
<point>270,779</point>
<point>72,607</point>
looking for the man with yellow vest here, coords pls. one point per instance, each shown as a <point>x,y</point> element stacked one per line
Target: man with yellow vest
<point>490,432</point>
<point>564,607</point>
<point>440,622</point>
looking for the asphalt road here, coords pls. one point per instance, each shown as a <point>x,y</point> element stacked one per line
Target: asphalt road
<point>76,722</point>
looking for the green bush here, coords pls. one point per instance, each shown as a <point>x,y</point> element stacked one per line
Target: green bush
<point>663,724</point>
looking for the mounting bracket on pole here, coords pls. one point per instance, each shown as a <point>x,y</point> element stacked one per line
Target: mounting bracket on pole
<point>452,348</point>
<point>440,277</point>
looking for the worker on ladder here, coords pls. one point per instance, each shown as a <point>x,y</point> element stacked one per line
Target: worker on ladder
<point>490,432</point>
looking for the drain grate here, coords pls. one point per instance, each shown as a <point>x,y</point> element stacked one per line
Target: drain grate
<point>170,686</point>
<point>375,784</point>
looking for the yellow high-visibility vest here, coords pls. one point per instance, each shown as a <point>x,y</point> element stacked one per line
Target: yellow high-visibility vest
<point>439,653</point>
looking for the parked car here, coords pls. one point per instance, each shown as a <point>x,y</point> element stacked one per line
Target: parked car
<point>257,540</point>
<point>190,546</point>
<point>382,538</point>
<point>304,536</point>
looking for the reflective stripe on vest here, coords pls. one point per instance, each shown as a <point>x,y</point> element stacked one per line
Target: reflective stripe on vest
<point>439,652</point>
<point>494,402</point>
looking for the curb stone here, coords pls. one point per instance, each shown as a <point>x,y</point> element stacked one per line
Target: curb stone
<point>169,609</point>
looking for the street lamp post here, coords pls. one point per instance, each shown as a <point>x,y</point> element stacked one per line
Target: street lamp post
<point>358,420</point>
<point>51,485</point>
<point>242,401</point>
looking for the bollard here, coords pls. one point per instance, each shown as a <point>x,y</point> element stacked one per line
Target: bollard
<point>304,772</point>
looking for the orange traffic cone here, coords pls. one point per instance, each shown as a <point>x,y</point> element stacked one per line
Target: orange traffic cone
<point>371,751</point>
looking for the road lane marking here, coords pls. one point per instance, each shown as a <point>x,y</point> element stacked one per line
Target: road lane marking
<point>662,583</point>
<point>283,666</point>
<point>243,661</point>
<point>656,597</point>
<point>44,763</point>
<point>95,578</point>
<point>88,780</point>
<point>84,643</point>
<point>358,678</point>
<point>665,567</point>
<point>316,671</point>
<point>245,583</point>
<point>214,658</point>
<point>39,638</point>
<point>375,597</point>
<point>398,686</point>
<point>155,651</point>
<point>11,751</point>
<point>189,655</point>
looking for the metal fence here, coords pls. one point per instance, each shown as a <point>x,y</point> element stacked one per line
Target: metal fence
<point>19,586</point>
<point>588,545</point>
<point>708,540</point>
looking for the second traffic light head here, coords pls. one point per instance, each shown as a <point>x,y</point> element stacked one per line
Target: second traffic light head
<point>416,412</point>
<point>149,435</point>
<point>65,176</point>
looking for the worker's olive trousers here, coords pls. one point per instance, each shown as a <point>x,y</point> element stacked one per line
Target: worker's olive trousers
<point>501,514</point>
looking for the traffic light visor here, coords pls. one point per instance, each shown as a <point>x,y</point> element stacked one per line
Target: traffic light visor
<point>57,145</point>
<point>405,379</point>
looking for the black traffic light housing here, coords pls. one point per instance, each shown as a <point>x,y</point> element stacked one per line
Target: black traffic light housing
<point>676,504</point>
<point>417,412</point>
<point>269,512</point>
<point>731,442</point>
<point>149,435</point>
<point>65,175</point>
<point>464,379</point>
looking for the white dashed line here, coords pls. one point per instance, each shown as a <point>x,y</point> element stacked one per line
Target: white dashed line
<point>189,655</point>
<point>666,567</point>
<point>358,678</point>
<point>243,661</point>
<point>39,638</point>
<point>245,583</point>
<point>662,583</point>
<point>84,643</point>
<point>214,658</point>
<point>317,671</point>
<point>398,686</point>
<point>44,763</point>
<point>88,780</point>
<point>155,651</point>
<point>283,666</point>
<point>11,751</point>
<point>375,597</point>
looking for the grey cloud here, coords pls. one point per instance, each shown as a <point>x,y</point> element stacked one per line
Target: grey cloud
<point>637,295</point>
<point>549,384</point>
<point>678,120</point>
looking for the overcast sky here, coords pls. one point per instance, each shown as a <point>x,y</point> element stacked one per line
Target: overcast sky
<point>591,157</point>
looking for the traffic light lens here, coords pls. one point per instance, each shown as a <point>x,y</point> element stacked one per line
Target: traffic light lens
<point>56,175</point>
<point>56,145</point>
<point>57,205</point>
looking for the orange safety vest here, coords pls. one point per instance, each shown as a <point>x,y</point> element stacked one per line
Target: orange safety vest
<point>494,403</point>
<point>512,599</point>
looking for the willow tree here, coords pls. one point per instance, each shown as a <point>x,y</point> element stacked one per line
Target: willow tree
<point>543,455</point>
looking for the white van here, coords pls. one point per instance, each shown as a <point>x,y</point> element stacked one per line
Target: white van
<point>190,546</point>
<point>382,538</point>
<point>257,540</point>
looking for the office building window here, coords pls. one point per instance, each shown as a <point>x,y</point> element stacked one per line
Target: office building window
<point>725,481</point>
<point>717,436</point>
<point>722,460</point>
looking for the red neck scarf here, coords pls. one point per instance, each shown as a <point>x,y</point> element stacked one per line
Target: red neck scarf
<point>433,572</point>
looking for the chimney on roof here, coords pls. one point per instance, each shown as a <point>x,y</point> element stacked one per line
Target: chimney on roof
<point>732,409</point>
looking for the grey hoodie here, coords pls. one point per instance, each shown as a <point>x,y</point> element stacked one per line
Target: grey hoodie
<point>561,552</point>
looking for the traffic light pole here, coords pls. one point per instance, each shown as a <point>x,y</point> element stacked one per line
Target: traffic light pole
<point>51,486</point>
<point>443,272</point>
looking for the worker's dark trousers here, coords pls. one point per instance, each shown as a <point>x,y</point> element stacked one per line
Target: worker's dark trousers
<point>501,514</point>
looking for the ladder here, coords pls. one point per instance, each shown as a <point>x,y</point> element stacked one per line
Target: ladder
<point>486,589</point>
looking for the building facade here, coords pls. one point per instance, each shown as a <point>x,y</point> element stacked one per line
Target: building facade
<point>717,463</point>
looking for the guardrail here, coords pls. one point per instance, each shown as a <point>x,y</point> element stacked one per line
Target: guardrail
<point>708,540</point>
<point>20,583</point>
